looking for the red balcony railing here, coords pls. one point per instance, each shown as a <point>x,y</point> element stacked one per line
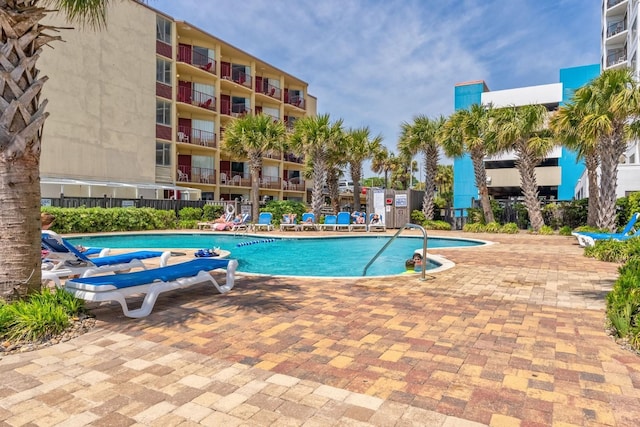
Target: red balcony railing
<point>238,109</point>
<point>272,91</point>
<point>196,136</point>
<point>197,98</point>
<point>191,56</point>
<point>296,101</point>
<point>196,174</point>
<point>239,77</point>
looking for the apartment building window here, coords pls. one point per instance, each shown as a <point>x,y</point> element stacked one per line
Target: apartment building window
<point>163,112</point>
<point>203,56</point>
<point>163,30</point>
<point>163,71</point>
<point>163,154</point>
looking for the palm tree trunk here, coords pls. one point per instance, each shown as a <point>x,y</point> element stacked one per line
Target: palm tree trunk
<point>592,162</point>
<point>431,156</point>
<point>610,151</point>
<point>319,178</point>
<point>356,175</point>
<point>21,119</point>
<point>332,188</point>
<point>477,157</point>
<point>526,164</point>
<point>255,166</point>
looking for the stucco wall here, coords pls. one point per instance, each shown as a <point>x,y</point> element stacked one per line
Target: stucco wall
<point>101,93</point>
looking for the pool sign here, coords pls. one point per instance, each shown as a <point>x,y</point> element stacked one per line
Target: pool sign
<point>401,200</point>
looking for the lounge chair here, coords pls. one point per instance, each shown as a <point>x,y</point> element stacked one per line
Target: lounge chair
<point>358,221</point>
<point>289,223</point>
<point>151,282</point>
<point>264,222</point>
<point>228,217</point>
<point>589,238</point>
<point>66,260</point>
<point>330,222</point>
<point>243,224</point>
<point>308,222</point>
<point>343,221</point>
<point>378,226</point>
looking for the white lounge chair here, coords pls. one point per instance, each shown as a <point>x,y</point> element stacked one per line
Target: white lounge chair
<point>288,223</point>
<point>243,224</point>
<point>65,260</point>
<point>359,222</point>
<point>343,221</point>
<point>308,222</point>
<point>152,283</point>
<point>330,223</point>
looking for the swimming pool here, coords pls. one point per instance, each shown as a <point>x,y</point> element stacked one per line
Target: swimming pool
<point>333,256</point>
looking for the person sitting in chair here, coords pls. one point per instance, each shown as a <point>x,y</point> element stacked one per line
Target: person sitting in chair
<point>375,219</point>
<point>289,218</point>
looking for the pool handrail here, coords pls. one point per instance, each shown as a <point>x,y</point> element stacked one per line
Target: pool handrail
<point>424,249</point>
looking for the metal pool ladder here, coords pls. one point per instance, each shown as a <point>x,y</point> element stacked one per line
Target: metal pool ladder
<point>424,249</point>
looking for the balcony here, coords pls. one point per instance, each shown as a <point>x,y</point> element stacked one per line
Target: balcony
<point>296,101</point>
<point>240,179</point>
<point>293,158</point>
<point>237,109</point>
<point>616,57</point>
<point>293,184</point>
<point>271,91</point>
<point>196,98</point>
<point>275,155</point>
<point>196,175</point>
<point>189,55</point>
<point>616,28</point>
<point>238,77</point>
<point>203,138</point>
<point>270,182</point>
<point>611,3</point>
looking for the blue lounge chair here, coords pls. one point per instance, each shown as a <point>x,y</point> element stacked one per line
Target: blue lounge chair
<point>264,222</point>
<point>330,222</point>
<point>588,238</point>
<point>376,226</point>
<point>288,224</point>
<point>308,222</point>
<point>66,260</point>
<point>343,221</point>
<point>152,283</point>
<point>358,221</point>
<point>243,224</point>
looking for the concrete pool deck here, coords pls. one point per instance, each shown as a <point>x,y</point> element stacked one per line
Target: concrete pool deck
<point>511,336</point>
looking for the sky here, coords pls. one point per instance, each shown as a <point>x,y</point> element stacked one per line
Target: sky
<point>379,63</point>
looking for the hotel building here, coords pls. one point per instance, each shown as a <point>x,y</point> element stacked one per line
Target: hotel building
<point>139,110</point>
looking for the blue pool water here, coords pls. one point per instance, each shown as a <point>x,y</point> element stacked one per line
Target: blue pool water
<point>324,257</point>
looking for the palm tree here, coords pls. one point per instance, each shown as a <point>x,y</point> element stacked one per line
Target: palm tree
<point>566,125</point>
<point>467,131</point>
<point>312,136</point>
<point>252,137</point>
<point>420,137</point>
<point>22,117</point>
<point>444,182</point>
<point>382,162</point>
<point>610,101</point>
<point>522,130</point>
<point>359,147</point>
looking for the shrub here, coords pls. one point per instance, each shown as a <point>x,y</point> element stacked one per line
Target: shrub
<point>417,217</point>
<point>492,227</point>
<point>92,220</point>
<point>510,228</point>
<point>190,214</point>
<point>436,225</point>
<point>281,207</point>
<point>187,224</point>
<point>608,250</point>
<point>546,230</point>
<point>475,216</point>
<point>623,302</point>
<point>565,231</point>
<point>473,228</point>
<point>211,212</point>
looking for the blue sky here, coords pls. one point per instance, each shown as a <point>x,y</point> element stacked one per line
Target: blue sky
<point>379,63</point>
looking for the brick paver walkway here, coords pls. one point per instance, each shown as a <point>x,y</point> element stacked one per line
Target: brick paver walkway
<point>511,336</point>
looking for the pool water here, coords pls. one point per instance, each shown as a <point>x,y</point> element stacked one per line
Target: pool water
<point>322,257</point>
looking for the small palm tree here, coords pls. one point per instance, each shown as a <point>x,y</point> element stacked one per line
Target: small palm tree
<point>566,125</point>
<point>522,130</point>
<point>313,137</point>
<point>22,117</point>
<point>251,137</point>
<point>468,131</point>
<point>444,182</point>
<point>359,147</point>
<point>421,136</point>
<point>382,163</point>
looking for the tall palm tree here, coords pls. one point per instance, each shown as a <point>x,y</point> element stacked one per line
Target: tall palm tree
<point>382,163</point>
<point>523,131</point>
<point>566,125</point>
<point>421,137</point>
<point>611,102</point>
<point>22,116</point>
<point>313,136</point>
<point>251,137</point>
<point>467,131</point>
<point>359,147</point>
<point>444,181</point>
<point>337,161</point>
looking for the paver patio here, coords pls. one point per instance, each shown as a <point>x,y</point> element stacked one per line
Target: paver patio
<point>513,335</point>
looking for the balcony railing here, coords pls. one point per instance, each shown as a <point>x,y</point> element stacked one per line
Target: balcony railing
<point>615,28</point>
<point>611,3</point>
<point>276,155</point>
<point>197,98</point>
<point>616,57</point>
<point>290,157</point>
<point>293,184</point>
<point>196,175</point>
<point>235,178</point>
<point>272,91</point>
<point>239,77</point>
<point>196,136</point>
<point>190,56</point>
<point>238,109</point>
<point>296,101</point>
<point>272,182</point>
